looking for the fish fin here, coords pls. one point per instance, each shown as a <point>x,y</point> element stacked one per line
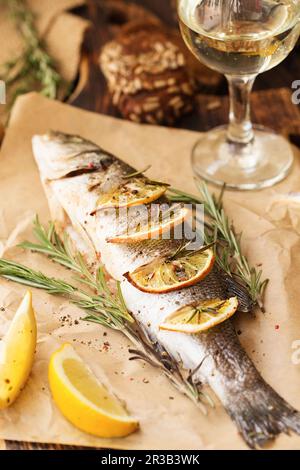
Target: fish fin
<point>261,414</point>
<point>235,288</point>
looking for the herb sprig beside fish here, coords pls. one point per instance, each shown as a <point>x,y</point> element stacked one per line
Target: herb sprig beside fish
<point>104,307</point>
<point>33,68</point>
<point>228,249</point>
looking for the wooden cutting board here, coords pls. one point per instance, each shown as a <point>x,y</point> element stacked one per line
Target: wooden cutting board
<point>272,104</point>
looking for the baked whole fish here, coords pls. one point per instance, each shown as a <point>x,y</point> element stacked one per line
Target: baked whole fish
<point>75,174</point>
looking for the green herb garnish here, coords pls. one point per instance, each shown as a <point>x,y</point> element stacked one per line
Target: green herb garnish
<point>33,68</point>
<point>219,231</point>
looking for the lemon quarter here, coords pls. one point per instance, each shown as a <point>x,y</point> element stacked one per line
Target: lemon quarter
<point>17,352</point>
<point>83,399</point>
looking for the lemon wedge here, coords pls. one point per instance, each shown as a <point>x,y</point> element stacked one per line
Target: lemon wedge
<point>200,316</point>
<point>17,352</point>
<point>83,400</point>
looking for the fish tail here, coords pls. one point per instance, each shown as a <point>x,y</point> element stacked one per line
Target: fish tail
<point>261,414</point>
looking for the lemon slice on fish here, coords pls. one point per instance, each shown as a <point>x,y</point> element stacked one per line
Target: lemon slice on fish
<point>153,227</point>
<point>82,398</point>
<point>166,275</point>
<point>200,316</point>
<point>134,192</point>
<point>17,352</point>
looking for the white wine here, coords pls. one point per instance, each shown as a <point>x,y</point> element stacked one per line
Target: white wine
<point>240,37</point>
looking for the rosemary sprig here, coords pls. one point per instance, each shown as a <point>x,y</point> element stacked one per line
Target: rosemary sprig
<point>137,173</point>
<point>50,244</point>
<point>33,68</point>
<point>183,252</point>
<point>18,273</point>
<point>104,307</point>
<point>107,307</point>
<point>61,252</point>
<point>149,181</point>
<point>220,231</point>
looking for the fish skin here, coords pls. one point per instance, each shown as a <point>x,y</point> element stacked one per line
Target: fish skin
<point>80,155</point>
<point>259,413</point>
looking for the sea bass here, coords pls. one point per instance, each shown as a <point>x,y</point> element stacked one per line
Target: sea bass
<point>75,174</point>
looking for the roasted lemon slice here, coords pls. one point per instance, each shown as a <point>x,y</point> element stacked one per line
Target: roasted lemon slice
<point>166,275</point>
<point>200,316</point>
<point>17,352</point>
<point>134,192</point>
<point>154,226</point>
<point>83,400</point>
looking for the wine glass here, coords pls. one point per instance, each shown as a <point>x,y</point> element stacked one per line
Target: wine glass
<point>241,38</point>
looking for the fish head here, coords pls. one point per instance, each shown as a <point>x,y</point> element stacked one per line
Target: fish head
<point>59,154</point>
<point>59,143</point>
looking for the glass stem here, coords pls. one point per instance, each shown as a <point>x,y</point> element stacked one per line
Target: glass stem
<point>240,129</point>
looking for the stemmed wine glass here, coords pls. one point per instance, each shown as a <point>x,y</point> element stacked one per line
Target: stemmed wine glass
<point>241,38</point>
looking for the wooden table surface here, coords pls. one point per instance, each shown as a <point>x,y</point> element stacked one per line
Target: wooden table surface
<point>273,106</point>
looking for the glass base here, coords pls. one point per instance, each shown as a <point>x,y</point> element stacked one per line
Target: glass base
<point>262,163</point>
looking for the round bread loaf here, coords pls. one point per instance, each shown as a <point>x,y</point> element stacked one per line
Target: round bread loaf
<point>146,75</point>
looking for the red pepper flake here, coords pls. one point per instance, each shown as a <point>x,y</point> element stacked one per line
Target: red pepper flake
<point>91,165</point>
<point>277,327</point>
<point>105,346</point>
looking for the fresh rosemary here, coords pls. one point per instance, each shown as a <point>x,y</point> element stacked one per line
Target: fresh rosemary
<point>183,252</point>
<point>227,244</point>
<point>107,307</point>
<point>137,173</point>
<point>103,306</point>
<point>33,68</point>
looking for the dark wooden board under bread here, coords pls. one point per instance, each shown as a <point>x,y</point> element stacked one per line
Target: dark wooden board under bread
<point>272,104</point>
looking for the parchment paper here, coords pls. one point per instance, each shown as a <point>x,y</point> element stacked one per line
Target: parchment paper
<point>56,27</point>
<point>271,239</point>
